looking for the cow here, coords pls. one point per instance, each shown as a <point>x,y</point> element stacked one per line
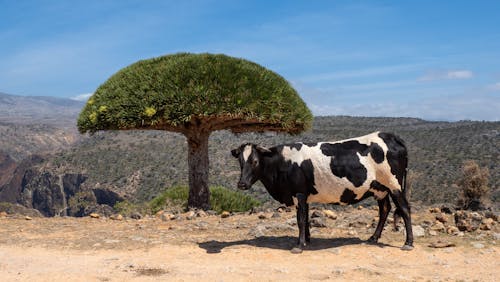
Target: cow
<point>339,172</point>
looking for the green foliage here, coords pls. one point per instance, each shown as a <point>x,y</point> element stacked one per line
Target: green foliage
<point>127,208</point>
<point>171,91</point>
<point>221,199</point>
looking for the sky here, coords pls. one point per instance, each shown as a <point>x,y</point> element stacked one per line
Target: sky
<point>436,60</point>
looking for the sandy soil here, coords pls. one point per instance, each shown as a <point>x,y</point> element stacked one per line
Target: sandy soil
<point>237,248</point>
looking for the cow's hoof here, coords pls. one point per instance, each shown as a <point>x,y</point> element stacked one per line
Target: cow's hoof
<point>407,248</point>
<point>296,250</point>
<point>372,240</point>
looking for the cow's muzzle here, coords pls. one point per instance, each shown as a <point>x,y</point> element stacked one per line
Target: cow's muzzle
<point>243,186</point>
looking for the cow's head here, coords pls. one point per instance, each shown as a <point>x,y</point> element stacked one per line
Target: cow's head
<point>250,157</point>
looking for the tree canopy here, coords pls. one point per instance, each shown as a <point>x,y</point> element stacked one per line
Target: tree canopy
<point>181,91</point>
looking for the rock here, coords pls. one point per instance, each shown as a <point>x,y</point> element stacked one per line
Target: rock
<point>441,217</point>
<point>360,207</point>
<point>418,231</point>
<point>438,226</point>
<point>496,236</point>
<point>276,215</point>
<point>201,213</point>
<point>330,214</point>
<point>28,218</point>
<point>452,230</point>
<point>262,215</point>
<point>486,224</point>
<point>116,217</point>
<point>259,231</point>
<point>434,210</point>
<point>352,233</point>
<point>317,213</point>
<point>135,215</point>
<point>441,244</point>
<point>318,222</point>
<point>166,216</point>
<point>432,233</point>
<point>291,222</point>
<point>190,215</point>
<point>3,214</point>
<point>447,209</point>
<point>225,214</point>
<point>202,225</point>
<point>478,245</point>
<point>94,215</point>
<point>493,215</point>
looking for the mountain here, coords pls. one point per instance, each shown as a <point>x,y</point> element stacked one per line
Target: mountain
<point>59,112</point>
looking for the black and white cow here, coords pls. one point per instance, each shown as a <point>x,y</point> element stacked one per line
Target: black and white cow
<point>342,172</point>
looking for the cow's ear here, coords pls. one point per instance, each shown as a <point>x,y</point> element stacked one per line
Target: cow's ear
<point>236,152</point>
<point>263,150</point>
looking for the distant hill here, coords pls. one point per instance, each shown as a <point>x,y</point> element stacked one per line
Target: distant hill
<point>140,164</point>
<point>60,112</point>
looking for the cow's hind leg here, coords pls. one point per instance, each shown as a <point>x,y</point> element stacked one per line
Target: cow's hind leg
<point>302,220</point>
<point>403,209</point>
<point>384,207</point>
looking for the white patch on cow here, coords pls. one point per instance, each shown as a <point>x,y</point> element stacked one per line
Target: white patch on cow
<point>293,155</point>
<point>247,152</point>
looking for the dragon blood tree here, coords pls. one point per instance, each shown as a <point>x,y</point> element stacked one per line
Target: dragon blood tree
<point>195,94</point>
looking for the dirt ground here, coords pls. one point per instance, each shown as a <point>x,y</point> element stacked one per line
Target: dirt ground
<point>238,248</point>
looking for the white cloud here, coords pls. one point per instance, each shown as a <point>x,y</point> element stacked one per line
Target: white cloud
<point>82,97</point>
<point>494,87</point>
<point>444,75</point>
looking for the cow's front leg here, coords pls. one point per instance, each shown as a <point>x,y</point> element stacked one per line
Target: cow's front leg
<point>302,220</point>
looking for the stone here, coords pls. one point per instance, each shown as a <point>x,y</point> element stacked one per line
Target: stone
<point>262,215</point>
<point>478,245</point>
<point>432,233</point>
<point>28,218</point>
<point>259,231</point>
<point>291,222</point>
<point>225,214</point>
<point>418,231</point>
<point>190,215</point>
<point>330,214</point>
<point>352,233</point>
<point>452,230</point>
<point>441,217</point>
<point>135,215</point>
<point>438,226</point>
<point>201,213</point>
<point>486,224</point>
<point>360,207</point>
<point>496,236</point>
<point>276,215</point>
<point>318,222</point>
<point>202,225</point>
<point>435,210</point>
<point>166,216</point>
<point>94,215</point>
<point>317,213</point>
<point>3,214</point>
<point>441,244</point>
<point>118,217</point>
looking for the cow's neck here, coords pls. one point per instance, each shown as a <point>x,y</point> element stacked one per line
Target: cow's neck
<point>270,178</point>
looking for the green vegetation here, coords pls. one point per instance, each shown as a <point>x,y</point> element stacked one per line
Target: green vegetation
<point>221,199</point>
<point>171,92</point>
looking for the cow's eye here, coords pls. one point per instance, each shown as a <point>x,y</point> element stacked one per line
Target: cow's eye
<point>255,163</point>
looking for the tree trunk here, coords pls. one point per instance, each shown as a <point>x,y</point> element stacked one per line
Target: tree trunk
<point>199,195</point>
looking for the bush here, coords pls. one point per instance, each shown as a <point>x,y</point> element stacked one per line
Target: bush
<point>221,199</point>
<point>473,185</point>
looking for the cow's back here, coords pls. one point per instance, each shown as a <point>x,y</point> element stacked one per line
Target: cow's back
<point>350,170</point>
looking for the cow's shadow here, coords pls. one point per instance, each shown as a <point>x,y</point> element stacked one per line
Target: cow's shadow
<point>285,243</point>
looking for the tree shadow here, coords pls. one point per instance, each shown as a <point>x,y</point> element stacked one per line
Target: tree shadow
<point>286,243</point>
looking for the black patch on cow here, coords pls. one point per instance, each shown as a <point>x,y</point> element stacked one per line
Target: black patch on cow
<point>348,196</point>
<point>345,161</point>
<point>397,155</point>
<point>311,144</point>
<point>296,146</point>
<point>308,169</point>
<point>375,185</point>
<point>377,153</point>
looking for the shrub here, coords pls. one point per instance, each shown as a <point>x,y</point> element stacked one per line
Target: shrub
<point>221,199</point>
<point>473,185</point>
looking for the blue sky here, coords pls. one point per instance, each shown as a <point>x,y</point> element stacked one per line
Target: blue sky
<point>437,60</point>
